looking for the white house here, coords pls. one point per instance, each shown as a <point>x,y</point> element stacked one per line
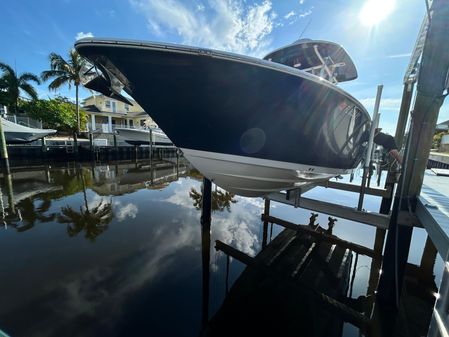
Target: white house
<point>105,114</point>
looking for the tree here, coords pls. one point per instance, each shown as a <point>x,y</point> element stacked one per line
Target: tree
<point>437,139</point>
<point>11,85</point>
<point>56,113</point>
<point>66,72</point>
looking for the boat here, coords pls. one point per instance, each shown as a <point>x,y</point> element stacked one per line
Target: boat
<point>142,136</point>
<point>20,134</point>
<point>252,126</point>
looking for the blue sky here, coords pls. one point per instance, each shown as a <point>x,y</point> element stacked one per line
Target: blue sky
<point>31,29</point>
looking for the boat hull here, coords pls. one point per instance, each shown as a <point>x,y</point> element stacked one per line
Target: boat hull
<point>19,134</point>
<point>221,103</point>
<point>142,137</point>
<point>251,177</point>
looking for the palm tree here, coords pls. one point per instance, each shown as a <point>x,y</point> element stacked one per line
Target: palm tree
<point>66,72</point>
<point>11,85</point>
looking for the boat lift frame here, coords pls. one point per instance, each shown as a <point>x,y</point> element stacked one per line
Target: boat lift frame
<point>431,59</point>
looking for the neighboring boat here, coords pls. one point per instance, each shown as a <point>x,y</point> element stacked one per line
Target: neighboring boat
<point>19,134</point>
<point>142,136</point>
<point>252,126</point>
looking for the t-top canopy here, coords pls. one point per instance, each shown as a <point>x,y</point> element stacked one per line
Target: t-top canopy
<point>322,58</point>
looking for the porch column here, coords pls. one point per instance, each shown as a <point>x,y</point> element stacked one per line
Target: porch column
<point>110,123</point>
<point>93,124</point>
<point>127,123</point>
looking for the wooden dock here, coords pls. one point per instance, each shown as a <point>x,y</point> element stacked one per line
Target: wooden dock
<point>296,285</point>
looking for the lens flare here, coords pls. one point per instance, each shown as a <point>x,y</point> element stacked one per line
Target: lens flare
<point>374,11</point>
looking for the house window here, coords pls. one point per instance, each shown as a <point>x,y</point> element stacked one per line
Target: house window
<point>114,106</point>
<point>107,104</point>
<point>142,122</point>
<point>126,107</point>
<point>131,122</point>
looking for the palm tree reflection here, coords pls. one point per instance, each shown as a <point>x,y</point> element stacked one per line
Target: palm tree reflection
<point>30,214</point>
<point>93,221</point>
<point>221,200</point>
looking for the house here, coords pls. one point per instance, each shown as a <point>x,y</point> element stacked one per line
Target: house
<point>105,114</point>
<point>443,126</point>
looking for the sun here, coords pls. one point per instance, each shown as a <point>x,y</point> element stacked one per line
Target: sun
<point>374,11</point>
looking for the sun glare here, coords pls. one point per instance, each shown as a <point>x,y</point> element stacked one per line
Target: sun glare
<point>374,11</point>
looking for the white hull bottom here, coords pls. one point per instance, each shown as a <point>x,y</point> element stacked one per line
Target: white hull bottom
<point>254,177</point>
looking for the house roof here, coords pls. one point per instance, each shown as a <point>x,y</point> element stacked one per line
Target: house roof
<point>137,114</point>
<point>443,125</point>
<point>91,108</point>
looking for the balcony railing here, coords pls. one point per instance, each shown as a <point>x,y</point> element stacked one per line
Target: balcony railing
<point>25,121</point>
<point>104,127</point>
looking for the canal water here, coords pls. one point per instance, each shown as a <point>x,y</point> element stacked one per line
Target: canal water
<point>116,249</point>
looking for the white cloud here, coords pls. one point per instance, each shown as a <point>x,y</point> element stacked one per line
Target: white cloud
<point>385,103</point>
<point>82,35</point>
<point>293,17</point>
<point>306,13</point>
<point>399,55</point>
<point>301,2</point>
<point>229,25</point>
<point>129,210</point>
<point>289,14</point>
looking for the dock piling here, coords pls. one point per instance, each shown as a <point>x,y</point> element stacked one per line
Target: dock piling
<point>4,150</point>
<point>205,245</point>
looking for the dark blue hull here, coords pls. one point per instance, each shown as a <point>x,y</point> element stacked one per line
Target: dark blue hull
<point>237,106</point>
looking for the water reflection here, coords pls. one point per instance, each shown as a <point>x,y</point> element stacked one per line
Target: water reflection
<point>93,221</point>
<point>32,211</point>
<point>221,199</point>
<point>118,250</point>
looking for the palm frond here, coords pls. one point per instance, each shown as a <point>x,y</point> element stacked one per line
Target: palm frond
<point>48,74</point>
<point>7,69</point>
<point>29,90</point>
<point>58,82</point>
<point>57,62</point>
<point>26,77</point>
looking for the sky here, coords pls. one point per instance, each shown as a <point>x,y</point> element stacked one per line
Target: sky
<point>379,35</point>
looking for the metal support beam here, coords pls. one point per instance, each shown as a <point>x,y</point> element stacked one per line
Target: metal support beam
<point>369,150</point>
<point>373,219</point>
<point>322,236</point>
<point>379,192</point>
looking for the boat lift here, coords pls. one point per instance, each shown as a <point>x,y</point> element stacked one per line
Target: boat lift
<point>413,206</point>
